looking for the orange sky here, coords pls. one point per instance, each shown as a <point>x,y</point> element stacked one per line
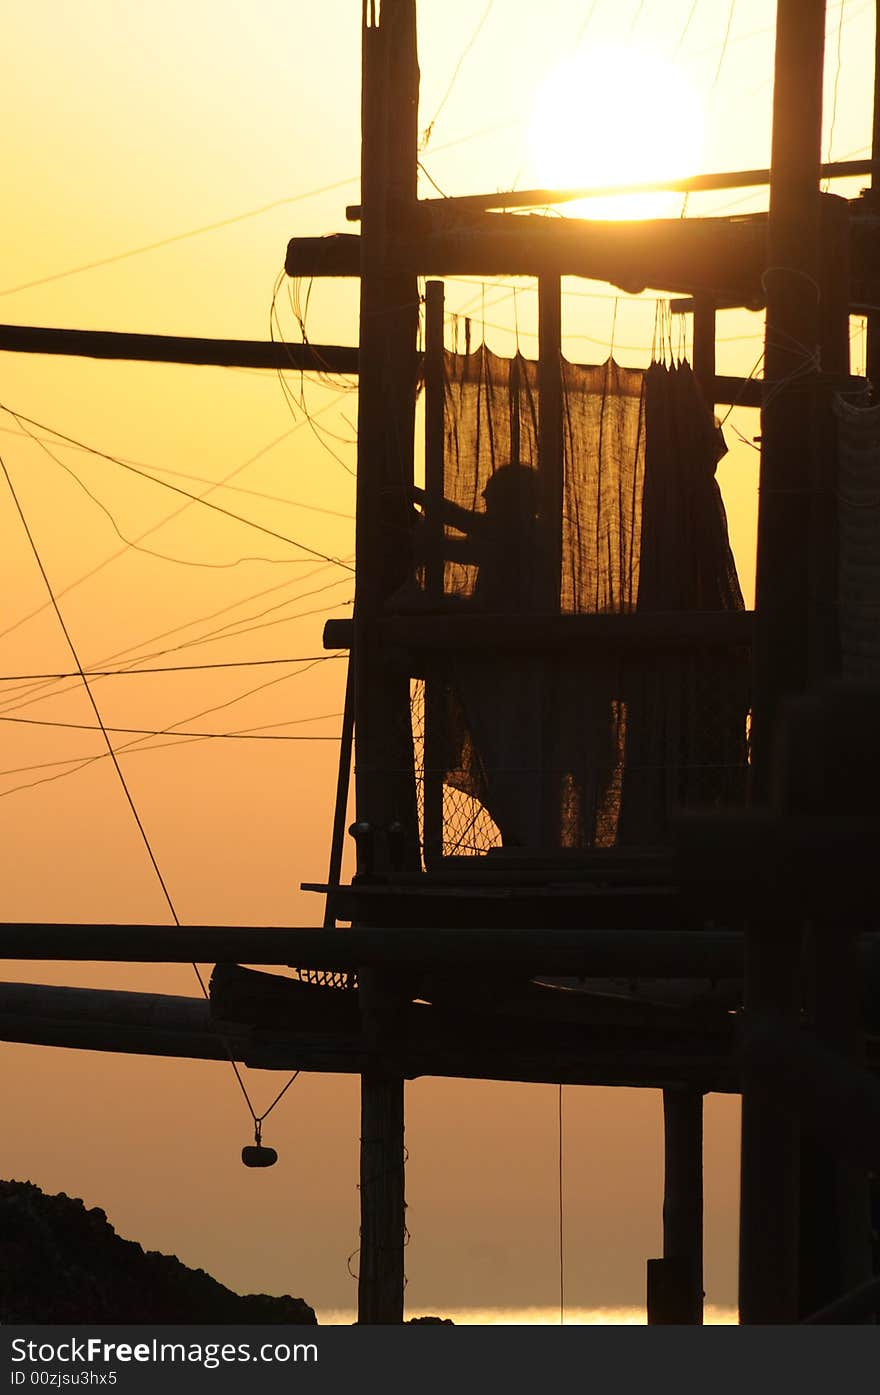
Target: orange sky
<point>128,126</point>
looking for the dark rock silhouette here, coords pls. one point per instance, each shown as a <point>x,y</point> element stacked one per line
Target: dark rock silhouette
<point>63,1263</point>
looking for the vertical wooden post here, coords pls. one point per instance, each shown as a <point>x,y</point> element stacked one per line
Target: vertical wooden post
<point>770,1157</point>
<point>551,495</point>
<point>683,1193</point>
<point>550,431</point>
<point>435,486</point>
<point>381,1277</point>
<point>769,1206</point>
<point>704,347</point>
<point>828,764</point>
<point>343,782</point>
<point>873,349</point>
<point>824,655</point>
<point>675,1282</point>
<point>792,284</point>
<point>384,778</point>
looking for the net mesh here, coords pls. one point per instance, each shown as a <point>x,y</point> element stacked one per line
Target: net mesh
<point>586,750</point>
<point>858,585</point>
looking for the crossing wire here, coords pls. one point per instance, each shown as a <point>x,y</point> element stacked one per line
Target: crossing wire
<point>176,489</point>
<point>127,792</point>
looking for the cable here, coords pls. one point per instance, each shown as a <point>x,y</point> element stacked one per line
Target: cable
<point>89,694</point>
<point>586,24</point>
<point>687,24</point>
<point>429,129</point>
<point>134,546</point>
<point>836,84</point>
<point>214,484</point>
<point>250,734</point>
<point>724,45</point>
<point>211,638</point>
<point>167,668</point>
<point>561,1214</point>
<point>178,237</point>
<point>86,576</point>
<point>137,741</point>
<point>176,489</point>
<point>292,402</point>
<point>635,21</point>
<point>180,738</point>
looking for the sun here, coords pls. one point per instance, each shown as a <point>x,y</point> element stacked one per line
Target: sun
<point>609,116</point>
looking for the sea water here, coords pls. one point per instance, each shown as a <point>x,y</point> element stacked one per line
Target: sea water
<point>536,1317</point>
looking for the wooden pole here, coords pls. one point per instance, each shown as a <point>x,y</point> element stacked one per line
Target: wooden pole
<point>343,782</point>
<point>675,1282</point>
<point>551,489</point>
<point>834,341</point>
<point>683,1195</point>
<point>873,332</point>
<point>435,485</point>
<point>691,184</point>
<point>171,348</point>
<point>791,362</point>
<point>704,347</point>
<point>770,1156</point>
<point>550,432</point>
<point>384,772</point>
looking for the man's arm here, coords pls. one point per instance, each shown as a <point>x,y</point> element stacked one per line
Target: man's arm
<point>454,515</point>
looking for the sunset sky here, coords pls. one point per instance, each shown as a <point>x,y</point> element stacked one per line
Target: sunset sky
<point>157,160</point>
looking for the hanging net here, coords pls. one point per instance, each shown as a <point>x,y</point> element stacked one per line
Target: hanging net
<point>858,585</point>
<point>592,748</point>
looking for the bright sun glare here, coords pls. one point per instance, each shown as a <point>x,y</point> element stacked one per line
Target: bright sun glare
<point>610,115</point>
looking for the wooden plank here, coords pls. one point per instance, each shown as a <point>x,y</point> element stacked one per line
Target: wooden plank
<point>666,630</point>
<point>563,634</point>
<point>496,907</point>
<point>168,348</point>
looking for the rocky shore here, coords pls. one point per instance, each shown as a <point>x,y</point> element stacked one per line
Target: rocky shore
<point>63,1263</point>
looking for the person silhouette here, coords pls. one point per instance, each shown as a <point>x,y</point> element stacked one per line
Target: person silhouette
<point>502,541</point>
<point>501,700</point>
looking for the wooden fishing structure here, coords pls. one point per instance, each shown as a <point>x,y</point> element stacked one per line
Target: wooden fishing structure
<point>762,913</point>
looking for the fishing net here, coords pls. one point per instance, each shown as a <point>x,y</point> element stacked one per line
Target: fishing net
<point>592,748</point>
<point>858,432</point>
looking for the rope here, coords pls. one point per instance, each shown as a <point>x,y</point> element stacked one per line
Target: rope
<point>127,792</point>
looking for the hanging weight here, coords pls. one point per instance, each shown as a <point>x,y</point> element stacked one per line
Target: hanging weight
<point>255,1155</point>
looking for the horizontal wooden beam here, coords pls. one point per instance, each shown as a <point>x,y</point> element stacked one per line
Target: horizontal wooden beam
<point>168,348</point>
<point>224,353</point>
<point>721,256</point>
<point>542,950</point>
<point>148,1024</point>
<point>690,184</point>
<point>435,1042</point>
<point>563,634</point>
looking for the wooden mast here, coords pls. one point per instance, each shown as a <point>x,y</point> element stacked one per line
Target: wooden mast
<point>769,1207</point>
<point>384,778</point>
